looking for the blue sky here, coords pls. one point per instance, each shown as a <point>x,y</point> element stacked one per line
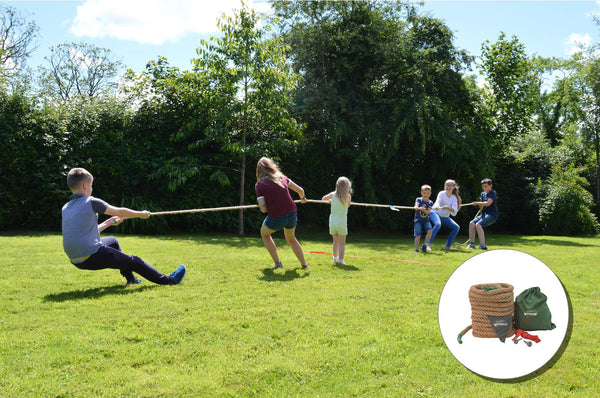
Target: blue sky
<point>137,31</point>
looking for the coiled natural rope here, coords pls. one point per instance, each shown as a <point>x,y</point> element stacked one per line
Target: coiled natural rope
<point>494,299</point>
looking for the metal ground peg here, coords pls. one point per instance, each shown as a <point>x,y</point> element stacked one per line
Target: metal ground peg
<point>516,341</point>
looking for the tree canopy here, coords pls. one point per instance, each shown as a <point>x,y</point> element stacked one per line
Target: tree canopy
<point>375,91</point>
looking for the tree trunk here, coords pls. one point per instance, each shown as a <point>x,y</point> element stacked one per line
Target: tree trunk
<point>242,184</point>
<point>597,170</point>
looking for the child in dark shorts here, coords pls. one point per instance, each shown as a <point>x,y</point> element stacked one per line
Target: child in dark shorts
<point>488,214</point>
<point>274,198</point>
<point>422,225</point>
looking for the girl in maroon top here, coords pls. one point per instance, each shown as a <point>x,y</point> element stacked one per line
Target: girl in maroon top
<point>274,199</point>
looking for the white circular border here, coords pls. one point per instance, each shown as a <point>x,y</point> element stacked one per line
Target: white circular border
<point>490,357</point>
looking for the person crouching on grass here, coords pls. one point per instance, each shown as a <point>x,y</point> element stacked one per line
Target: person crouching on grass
<point>489,214</point>
<point>274,199</point>
<point>81,234</point>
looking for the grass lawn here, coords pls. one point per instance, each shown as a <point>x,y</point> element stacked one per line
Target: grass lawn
<point>236,328</point>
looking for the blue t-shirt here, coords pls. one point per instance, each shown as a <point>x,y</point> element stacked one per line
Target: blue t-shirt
<point>419,215</point>
<point>81,237</point>
<point>492,210</point>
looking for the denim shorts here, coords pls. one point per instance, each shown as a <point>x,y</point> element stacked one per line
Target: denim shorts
<point>485,220</point>
<point>422,227</point>
<point>287,221</point>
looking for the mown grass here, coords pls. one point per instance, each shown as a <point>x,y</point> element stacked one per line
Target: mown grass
<point>236,328</point>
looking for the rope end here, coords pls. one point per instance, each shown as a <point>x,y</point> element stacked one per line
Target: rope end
<point>459,338</point>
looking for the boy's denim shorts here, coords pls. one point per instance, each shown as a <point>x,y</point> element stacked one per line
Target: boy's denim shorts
<point>421,227</point>
<point>485,220</point>
<point>287,221</point>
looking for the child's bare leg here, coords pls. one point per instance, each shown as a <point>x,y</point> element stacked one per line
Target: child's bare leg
<point>290,237</point>
<point>428,236</point>
<point>417,241</point>
<point>336,246</point>
<point>267,239</point>
<point>472,227</point>
<point>480,234</point>
<point>341,246</point>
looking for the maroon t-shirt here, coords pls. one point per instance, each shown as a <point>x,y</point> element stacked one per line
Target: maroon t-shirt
<point>278,200</point>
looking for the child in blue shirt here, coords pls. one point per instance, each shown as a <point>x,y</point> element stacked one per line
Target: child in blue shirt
<point>422,225</point>
<point>81,234</point>
<point>489,214</point>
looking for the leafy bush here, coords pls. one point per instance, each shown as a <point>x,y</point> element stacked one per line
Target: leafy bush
<point>565,204</point>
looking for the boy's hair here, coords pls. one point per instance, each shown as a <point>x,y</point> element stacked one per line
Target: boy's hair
<point>425,188</point>
<point>78,175</point>
<point>487,181</point>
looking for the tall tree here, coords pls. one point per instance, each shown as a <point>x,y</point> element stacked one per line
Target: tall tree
<point>78,70</point>
<point>589,71</point>
<point>382,93</point>
<point>513,86</point>
<point>250,94</point>
<point>17,40</point>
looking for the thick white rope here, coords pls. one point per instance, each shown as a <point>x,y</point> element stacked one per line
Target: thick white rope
<point>164,213</point>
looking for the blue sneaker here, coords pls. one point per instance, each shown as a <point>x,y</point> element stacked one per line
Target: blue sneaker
<point>471,245</point>
<point>178,274</point>
<point>424,248</point>
<point>483,247</point>
<point>133,281</point>
<point>277,265</point>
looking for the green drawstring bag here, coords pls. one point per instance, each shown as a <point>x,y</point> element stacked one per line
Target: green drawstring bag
<point>532,312</point>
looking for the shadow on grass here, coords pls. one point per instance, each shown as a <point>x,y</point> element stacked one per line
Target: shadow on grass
<point>96,292</point>
<point>346,267</point>
<point>269,275</point>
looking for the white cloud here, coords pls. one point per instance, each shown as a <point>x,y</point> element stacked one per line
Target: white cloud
<point>577,43</point>
<point>152,21</point>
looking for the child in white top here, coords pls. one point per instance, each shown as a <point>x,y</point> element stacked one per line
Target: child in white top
<point>447,204</point>
<point>338,219</point>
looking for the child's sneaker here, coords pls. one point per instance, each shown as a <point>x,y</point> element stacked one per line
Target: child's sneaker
<point>483,247</point>
<point>416,250</point>
<point>277,265</point>
<point>305,266</point>
<point>341,261</point>
<point>133,281</point>
<point>424,248</point>
<point>178,274</point>
<point>335,259</point>
<point>471,245</point>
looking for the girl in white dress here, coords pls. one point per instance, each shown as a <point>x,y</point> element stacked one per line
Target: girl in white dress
<point>338,219</point>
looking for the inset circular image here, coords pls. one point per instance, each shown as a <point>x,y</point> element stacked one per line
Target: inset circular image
<point>505,315</point>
